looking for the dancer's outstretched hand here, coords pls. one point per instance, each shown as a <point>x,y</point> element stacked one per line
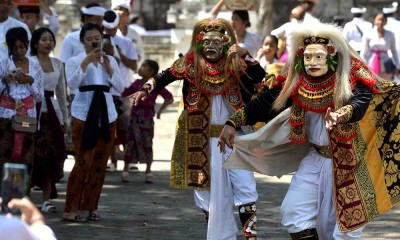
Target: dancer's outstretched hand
<point>332,118</point>
<point>139,96</point>
<point>226,138</point>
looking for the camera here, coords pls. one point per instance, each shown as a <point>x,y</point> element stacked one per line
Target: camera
<point>95,45</point>
<point>14,183</point>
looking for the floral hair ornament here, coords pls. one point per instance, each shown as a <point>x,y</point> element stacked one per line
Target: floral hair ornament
<point>299,67</point>
<point>331,57</point>
<point>200,36</point>
<point>226,39</point>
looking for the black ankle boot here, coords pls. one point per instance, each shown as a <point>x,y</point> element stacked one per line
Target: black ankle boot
<point>308,234</point>
<point>247,214</point>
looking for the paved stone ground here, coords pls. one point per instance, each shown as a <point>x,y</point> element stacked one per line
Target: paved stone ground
<point>136,210</point>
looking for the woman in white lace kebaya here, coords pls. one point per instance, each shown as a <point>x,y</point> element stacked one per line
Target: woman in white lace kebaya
<point>50,150</point>
<point>21,87</point>
<point>379,49</point>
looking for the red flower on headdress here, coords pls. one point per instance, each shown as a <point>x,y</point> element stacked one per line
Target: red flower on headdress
<point>300,52</point>
<point>226,38</point>
<point>200,36</point>
<point>330,49</point>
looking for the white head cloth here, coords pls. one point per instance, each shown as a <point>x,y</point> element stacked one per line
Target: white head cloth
<point>389,10</point>
<point>356,10</point>
<point>95,11</point>
<point>121,3</point>
<point>111,25</point>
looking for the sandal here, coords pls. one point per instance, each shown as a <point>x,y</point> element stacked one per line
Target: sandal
<point>149,178</point>
<point>125,176</point>
<point>111,167</point>
<point>93,217</point>
<point>133,168</point>
<point>77,218</point>
<point>48,207</point>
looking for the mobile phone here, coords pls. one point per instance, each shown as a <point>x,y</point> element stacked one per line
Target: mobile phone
<point>94,45</point>
<point>106,38</point>
<point>14,183</point>
<point>17,70</point>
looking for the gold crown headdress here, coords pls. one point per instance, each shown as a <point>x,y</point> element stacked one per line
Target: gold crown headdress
<point>214,25</point>
<point>315,40</point>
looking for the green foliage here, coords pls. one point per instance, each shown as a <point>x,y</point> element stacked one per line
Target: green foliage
<point>299,67</point>
<point>199,47</point>
<point>226,48</point>
<point>331,61</point>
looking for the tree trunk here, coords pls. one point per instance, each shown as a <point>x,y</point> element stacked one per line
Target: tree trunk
<point>264,19</point>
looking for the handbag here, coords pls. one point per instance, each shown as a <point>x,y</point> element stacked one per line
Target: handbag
<point>23,124</point>
<point>389,66</point>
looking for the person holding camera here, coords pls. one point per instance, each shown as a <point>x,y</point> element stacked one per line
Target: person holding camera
<point>31,225</point>
<point>91,74</point>
<point>121,47</point>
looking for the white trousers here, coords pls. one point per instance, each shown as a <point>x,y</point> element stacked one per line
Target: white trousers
<point>309,200</point>
<point>228,188</point>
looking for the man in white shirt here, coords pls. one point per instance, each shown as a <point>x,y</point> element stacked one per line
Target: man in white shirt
<point>284,32</point>
<point>7,22</point>
<point>393,24</point>
<point>127,63</point>
<point>71,45</point>
<point>126,52</point>
<point>354,30</point>
<point>309,5</point>
<point>123,8</point>
<point>30,15</point>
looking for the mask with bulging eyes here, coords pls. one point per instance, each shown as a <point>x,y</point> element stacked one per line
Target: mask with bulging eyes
<point>315,60</point>
<point>213,46</point>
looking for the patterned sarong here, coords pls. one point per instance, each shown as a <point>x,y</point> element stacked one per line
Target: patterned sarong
<point>366,168</point>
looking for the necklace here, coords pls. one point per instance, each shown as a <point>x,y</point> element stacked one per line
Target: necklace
<point>315,94</point>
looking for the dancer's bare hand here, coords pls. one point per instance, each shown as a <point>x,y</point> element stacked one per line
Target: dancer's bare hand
<point>332,118</point>
<point>236,49</point>
<point>139,96</point>
<point>226,138</point>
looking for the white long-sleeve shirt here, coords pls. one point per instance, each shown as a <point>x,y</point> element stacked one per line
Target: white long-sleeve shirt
<point>22,91</point>
<point>71,46</point>
<point>94,75</point>
<point>353,35</point>
<point>129,51</point>
<point>55,81</point>
<point>54,24</point>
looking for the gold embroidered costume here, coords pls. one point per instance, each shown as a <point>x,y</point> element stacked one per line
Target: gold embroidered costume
<point>362,143</point>
<point>190,162</point>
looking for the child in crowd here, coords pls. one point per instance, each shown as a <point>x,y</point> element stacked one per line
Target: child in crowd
<point>139,147</point>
